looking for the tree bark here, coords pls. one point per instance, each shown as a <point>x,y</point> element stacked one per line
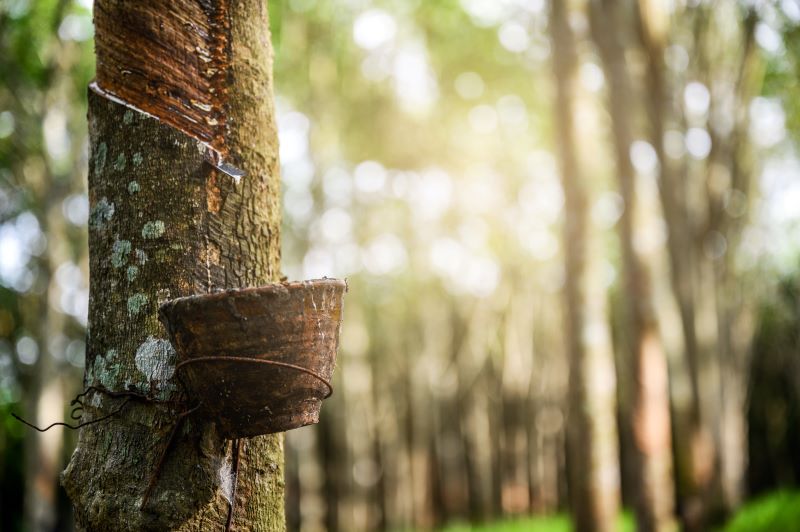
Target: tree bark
<point>165,223</point>
<point>650,412</point>
<point>592,446</point>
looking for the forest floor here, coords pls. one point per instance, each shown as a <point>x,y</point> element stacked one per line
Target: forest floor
<point>546,523</point>
<point>775,512</point>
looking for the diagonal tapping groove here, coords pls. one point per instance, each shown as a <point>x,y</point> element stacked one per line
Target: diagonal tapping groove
<point>170,59</point>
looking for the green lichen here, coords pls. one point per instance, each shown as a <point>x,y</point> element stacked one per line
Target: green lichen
<point>120,163</point>
<point>136,303</point>
<point>133,271</point>
<point>137,159</point>
<point>153,230</point>
<point>101,214</point>
<point>141,256</point>
<point>133,186</point>
<point>119,253</point>
<point>127,117</point>
<point>100,158</point>
<point>105,370</point>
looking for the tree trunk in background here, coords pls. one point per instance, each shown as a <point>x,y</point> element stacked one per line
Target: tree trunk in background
<point>379,505</point>
<point>732,152</point>
<point>653,28</point>
<point>43,402</point>
<point>165,223</point>
<point>331,486</point>
<point>650,412</point>
<point>495,409</point>
<point>45,391</point>
<point>294,488</point>
<point>592,444</point>
<point>44,449</point>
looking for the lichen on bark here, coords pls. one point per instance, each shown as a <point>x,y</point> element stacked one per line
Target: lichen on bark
<point>164,224</point>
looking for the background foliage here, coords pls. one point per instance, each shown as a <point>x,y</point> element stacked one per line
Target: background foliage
<point>418,160</point>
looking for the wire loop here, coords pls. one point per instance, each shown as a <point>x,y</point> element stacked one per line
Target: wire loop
<point>307,371</point>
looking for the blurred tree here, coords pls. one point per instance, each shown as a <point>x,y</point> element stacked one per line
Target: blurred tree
<point>653,25</point>
<point>648,410</point>
<point>729,174</point>
<point>591,427</point>
<point>773,410</point>
<point>165,223</point>
<point>41,147</point>
<point>705,191</point>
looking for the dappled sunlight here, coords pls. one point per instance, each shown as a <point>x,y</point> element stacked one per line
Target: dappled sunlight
<point>570,235</point>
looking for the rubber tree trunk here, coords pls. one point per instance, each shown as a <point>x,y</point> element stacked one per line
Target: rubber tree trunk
<point>44,450</point>
<point>45,390</point>
<point>649,411</point>
<point>653,31</point>
<point>733,310</point>
<point>179,83</point>
<point>592,445</point>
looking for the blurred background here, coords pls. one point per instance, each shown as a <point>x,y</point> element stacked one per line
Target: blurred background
<point>425,159</point>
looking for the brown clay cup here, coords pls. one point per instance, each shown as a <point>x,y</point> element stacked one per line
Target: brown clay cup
<point>258,360</point>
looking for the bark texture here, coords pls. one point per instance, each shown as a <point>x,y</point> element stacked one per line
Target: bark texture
<point>165,223</point>
<point>169,57</point>
<point>592,444</point>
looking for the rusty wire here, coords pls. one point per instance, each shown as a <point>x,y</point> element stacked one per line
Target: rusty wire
<point>79,406</point>
<point>307,371</point>
<point>157,471</point>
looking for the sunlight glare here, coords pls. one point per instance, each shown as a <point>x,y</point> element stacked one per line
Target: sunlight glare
<point>696,98</point>
<point>384,255</point>
<point>469,85</point>
<point>767,121</point>
<point>374,28</point>
<point>414,82</point>
<point>643,157</point>
<point>370,177</point>
<point>513,113</point>
<point>514,37</point>
<point>769,39</point>
<point>592,77</point>
<point>483,119</point>
<point>698,143</point>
